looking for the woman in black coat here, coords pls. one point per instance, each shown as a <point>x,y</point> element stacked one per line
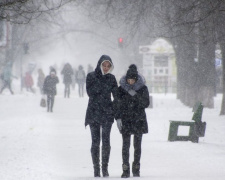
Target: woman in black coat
<point>132,99</point>
<point>100,84</point>
<point>67,73</point>
<point>49,88</point>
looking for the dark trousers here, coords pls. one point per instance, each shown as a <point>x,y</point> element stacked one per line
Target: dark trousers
<point>50,102</point>
<point>81,89</point>
<point>5,85</point>
<point>67,90</point>
<point>126,148</point>
<point>96,134</point>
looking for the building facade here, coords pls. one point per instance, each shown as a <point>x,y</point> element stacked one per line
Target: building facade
<point>159,67</point>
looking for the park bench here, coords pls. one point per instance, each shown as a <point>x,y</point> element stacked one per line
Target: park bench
<point>196,128</point>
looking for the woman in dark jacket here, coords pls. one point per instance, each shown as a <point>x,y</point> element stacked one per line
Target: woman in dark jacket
<point>100,84</point>
<point>49,88</point>
<point>67,73</point>
<point>132,99</point>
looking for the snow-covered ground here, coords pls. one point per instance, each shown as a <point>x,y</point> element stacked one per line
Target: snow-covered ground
<point>36,145</point>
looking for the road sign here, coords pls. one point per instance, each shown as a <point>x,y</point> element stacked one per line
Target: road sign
<point>144,49</point>
<point>218,62</point>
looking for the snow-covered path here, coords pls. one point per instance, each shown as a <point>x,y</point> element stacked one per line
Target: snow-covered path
<point>36,145</point>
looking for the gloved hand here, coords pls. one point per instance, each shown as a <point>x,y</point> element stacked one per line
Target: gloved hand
<point>132,92</point>
<point>119,124</point>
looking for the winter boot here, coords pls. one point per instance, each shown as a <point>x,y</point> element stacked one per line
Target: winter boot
<point>64,93</point>
<point>68,93</point>
<point>105,160</point>
<point>95,160</point>
<point>136,169</point>
<point>126,171</point>
<point>48,107</point>
<point>51,107</point>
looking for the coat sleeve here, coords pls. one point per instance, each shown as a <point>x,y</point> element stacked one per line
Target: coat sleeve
<point>93,86</point>
<point>115,95</point>
<point>143,98</point>
<point>118,103</point>
<point>114,88</point>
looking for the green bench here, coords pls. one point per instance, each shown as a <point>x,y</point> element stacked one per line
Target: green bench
<point>196,128</point>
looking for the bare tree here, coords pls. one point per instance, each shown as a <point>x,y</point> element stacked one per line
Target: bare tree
<point>188,24</point>
<point>23,11</point>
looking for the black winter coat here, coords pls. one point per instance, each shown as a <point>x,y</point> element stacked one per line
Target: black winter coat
<point>49,86</point>
<point>99,88</point>
<point>67,73</point>
<point>131,110</point>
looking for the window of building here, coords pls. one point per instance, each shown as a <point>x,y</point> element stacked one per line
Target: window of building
<point>161,61</point>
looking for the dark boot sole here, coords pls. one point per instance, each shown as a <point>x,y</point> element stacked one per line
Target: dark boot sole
<point>125,176</point>
<point>136,175</point>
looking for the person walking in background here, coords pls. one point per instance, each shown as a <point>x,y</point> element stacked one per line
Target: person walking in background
<point>90,68</point>
<point>6,77</point>
<point>132,99</point>
<point>67,73</point>
<point>100,84</point>
<point>40,80</point>
<point>49,88</point>
<point>29,82</point>
<point>80,77</point>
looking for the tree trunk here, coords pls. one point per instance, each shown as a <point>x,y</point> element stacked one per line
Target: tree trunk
<point>222,46</point>
<point>207,73</point>
<point>180,71</point>
<point>186,82</point>
<point>189,63</point>
<point>206,58</point>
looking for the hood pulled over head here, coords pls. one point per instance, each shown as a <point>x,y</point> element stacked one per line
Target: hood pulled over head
<point>52,71</point>
<point>102,59</point>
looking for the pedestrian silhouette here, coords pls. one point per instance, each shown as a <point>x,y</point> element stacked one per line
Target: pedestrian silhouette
<point>80,77</point>
<point>67,73</point>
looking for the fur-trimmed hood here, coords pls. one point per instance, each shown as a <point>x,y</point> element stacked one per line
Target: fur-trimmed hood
<point>136,86</point>
<point>98,68</point>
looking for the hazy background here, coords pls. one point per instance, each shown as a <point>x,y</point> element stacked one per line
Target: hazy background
<point>71,36</point>
<point>43,33</point>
